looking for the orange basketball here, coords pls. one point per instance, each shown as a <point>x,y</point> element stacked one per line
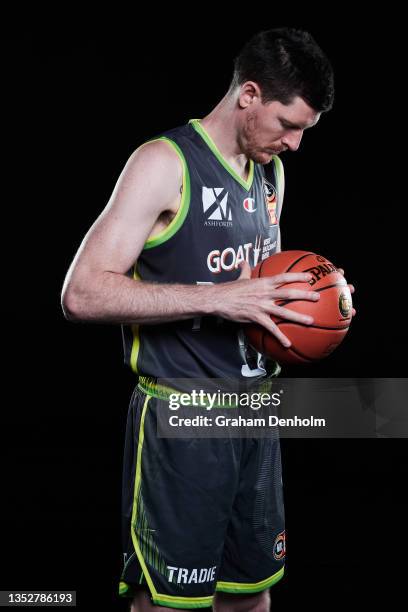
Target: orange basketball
<point>332,313</point>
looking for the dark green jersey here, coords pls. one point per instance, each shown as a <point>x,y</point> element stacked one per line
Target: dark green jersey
<point>222,221</point>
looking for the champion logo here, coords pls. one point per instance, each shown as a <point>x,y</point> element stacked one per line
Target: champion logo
<point>216,208</point>
<point>249,205</point>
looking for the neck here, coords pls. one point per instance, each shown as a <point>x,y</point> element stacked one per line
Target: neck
<point>221,125</point>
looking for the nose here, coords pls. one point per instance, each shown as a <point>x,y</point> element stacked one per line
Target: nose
<point>292,139</point>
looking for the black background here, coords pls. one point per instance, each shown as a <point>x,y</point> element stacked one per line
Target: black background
<point>82,98</point>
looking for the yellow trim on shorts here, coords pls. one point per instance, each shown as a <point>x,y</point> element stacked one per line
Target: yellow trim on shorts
<point>158,598</point>
<point>248,587</point>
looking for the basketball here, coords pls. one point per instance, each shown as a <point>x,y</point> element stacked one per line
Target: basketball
<point>332,313</point>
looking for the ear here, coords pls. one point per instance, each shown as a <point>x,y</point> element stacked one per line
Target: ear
<point>249,93</point>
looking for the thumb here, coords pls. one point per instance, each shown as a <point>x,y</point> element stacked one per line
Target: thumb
<point>245,271</point>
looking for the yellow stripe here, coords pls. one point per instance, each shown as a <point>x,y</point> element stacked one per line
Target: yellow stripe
<point>181,600</point>
<point>138,479</point>
<point>157,597</point>
<point>251,586</point>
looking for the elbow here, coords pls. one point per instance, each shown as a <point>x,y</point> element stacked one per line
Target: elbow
<point>70,305</point>
<point>76,305</point>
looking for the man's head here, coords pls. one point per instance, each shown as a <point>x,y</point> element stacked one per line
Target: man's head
<point>282,83</point>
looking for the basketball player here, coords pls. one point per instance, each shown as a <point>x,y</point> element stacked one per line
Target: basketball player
<point>170,259</point>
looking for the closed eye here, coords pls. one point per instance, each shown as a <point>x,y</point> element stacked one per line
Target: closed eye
<point>287,126</point>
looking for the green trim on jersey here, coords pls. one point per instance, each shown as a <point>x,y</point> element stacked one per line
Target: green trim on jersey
<point>181,214</point>
<point>242,587</point>
<point>280,181</point>
<point>209,141</point>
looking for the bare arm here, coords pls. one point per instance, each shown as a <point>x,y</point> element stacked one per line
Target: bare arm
<point>97,289</point>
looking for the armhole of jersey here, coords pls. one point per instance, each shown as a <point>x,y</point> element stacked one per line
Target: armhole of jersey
<point>280,182</point>
<point>181,214</point>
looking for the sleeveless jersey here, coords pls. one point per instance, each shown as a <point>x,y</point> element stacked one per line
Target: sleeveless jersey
<point>222,220</point>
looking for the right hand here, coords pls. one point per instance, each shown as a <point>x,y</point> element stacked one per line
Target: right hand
<point>253,300</point>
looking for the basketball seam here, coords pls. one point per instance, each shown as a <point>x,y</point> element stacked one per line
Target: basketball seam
<point>300,258</point>
<point>289,349</point>
<point>310,326</point>
<point>299,354</point>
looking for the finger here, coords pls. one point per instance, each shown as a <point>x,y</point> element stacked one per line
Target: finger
<point>353,312</point>
<point>245,271</point>
<point>289,277</point>
<point>291,315</point>
<point>340,270</point>
<point>295,294</point>
<point>273,329</point>
<point>351,287</point>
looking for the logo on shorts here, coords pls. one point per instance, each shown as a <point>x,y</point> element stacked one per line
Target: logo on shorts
<point>182,575</point>
<point>279,548</point>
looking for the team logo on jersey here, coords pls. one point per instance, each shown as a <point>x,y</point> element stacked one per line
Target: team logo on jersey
<point>249,205</point>
<point>216,208</point>
<point>271,200</point>
<point>344,304</point>
<point>279,547</point>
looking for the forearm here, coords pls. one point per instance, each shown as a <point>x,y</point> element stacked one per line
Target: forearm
<point>117,298</point>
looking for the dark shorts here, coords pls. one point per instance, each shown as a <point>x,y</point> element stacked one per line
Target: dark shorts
<point>200,514</point>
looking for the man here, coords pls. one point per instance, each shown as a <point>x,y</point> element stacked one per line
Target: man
<point>170,259</point>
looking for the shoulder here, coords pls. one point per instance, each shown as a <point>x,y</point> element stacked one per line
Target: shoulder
<point>157,156</point>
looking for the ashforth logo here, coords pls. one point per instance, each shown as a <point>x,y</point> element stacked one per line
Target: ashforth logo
<point>217,209</point>
<point>249,205</point>
<point>182,575</point>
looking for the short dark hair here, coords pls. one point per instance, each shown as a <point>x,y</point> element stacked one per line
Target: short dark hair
<point>286,63</point>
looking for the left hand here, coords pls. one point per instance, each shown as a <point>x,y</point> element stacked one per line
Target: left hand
<point>351,287</point>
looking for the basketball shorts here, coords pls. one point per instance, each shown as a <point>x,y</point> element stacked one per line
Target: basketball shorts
<point>200,515</point>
